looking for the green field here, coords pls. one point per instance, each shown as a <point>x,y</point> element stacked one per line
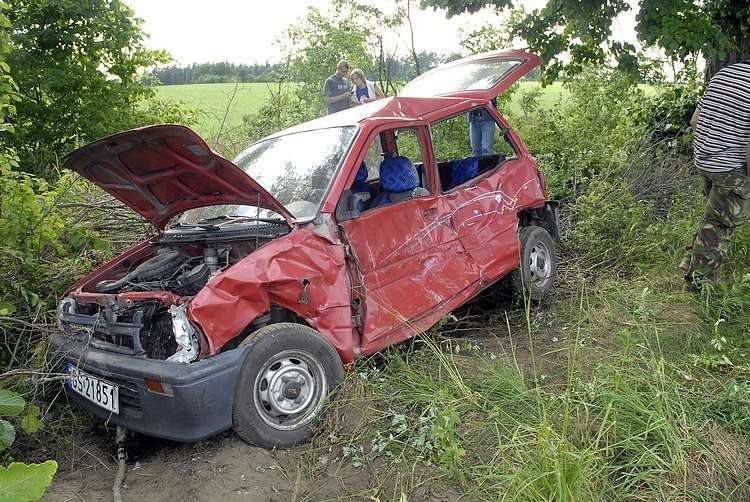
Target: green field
<point>217,101</point>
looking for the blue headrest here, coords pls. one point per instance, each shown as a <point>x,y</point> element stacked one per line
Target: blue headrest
<point>397,174</point>
<point>463,170</point>
<point>362,173</point>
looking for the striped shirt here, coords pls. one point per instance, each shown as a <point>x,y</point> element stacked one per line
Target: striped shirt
<point>723,128</point>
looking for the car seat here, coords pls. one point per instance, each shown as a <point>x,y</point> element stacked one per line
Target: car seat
<point>463,170</point>
<point>399,181</point>
<point>361,189</point>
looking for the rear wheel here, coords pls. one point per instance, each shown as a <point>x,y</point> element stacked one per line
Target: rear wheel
<point>288,373</point>
<point>536,271</point>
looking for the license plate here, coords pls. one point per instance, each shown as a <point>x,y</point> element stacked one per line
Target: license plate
<point>97,391</point>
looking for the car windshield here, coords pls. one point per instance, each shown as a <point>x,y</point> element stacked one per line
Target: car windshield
<point>477,75</point>
<point>295,168</point>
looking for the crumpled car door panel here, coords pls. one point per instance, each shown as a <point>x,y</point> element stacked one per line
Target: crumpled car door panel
<point>411,262</point>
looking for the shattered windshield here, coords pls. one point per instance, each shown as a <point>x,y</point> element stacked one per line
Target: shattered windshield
<point>295,168</point>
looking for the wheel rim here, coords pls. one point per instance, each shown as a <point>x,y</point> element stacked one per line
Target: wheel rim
<point>289,389</point>
<point>540,263</point>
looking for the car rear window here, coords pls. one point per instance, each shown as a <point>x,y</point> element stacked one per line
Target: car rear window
<point>477,75</point>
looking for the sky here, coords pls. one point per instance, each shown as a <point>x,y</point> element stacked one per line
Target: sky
<point>239,31</point>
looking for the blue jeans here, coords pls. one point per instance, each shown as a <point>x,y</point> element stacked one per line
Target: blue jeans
<point>482,134</point>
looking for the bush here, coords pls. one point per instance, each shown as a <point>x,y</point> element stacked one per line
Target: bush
<point>584,138</point>
<point>621,160</point>
<point>42,251</point>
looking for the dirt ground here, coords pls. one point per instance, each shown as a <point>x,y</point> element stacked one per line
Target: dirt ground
<point>227,469</point>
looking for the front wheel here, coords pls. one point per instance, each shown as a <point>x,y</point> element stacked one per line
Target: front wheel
<point>288,373</point>
<point>538,263</point>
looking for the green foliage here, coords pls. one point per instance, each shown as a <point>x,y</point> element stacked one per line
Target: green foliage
<point>19,481</point>
<point>667,113</point>
<point>7,434</point>
<point>317,44</point>
<point>31,422</point>
<point>215,72</point>
<point>11,403</point>
<point>42,251</point>
<point>78,67</point>
<point>8,96</point>
<point>25,482</point>
<point>571,35</point>
<point>284,108</point>
<point>583,139</point>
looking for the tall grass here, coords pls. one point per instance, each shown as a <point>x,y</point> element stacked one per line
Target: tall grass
<point>620,420</point>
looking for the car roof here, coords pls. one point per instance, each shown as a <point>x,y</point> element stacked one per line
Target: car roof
<point>386,110</point>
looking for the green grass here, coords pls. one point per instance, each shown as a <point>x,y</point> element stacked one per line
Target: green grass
<point>214,101</point>
<point>591,398</point>
<point>217,101</point>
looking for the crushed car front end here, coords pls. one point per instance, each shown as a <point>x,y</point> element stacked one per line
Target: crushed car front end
<point>173,401</point>
<point>135,357</point>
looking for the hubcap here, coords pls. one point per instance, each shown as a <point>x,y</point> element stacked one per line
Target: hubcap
<point>289,389</point>
<point>540,264</point>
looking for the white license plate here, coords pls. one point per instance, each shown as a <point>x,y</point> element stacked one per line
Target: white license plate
<point>95,390</point>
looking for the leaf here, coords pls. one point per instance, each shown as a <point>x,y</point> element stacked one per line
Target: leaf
<point>6,307</point>
<point>7,434</point>
<point>31,421</point>
<point>11,403</point>
<point>25,482</point>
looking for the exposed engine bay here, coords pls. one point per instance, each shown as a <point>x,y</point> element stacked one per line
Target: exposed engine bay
<point>182,260</point>
<point>175,267</point>
<point>171,269</point>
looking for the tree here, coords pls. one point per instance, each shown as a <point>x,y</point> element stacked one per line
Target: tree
<point>717,29</point>
<point>78,65</point>
<point>8,96</point>
<point>315,45</point>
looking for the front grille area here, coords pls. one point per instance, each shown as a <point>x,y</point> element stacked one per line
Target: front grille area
<point>145,330</point>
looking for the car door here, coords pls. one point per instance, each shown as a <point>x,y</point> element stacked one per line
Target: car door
<point>483,201</point>
<point>410,261</point>
<point>483,76</point>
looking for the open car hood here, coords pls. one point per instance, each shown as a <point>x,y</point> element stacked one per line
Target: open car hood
<point>161,171</point>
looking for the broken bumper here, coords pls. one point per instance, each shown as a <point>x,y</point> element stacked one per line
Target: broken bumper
<point>202,392</point>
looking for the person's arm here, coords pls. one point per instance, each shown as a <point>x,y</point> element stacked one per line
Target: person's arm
<point>694,118</point>
<point>335,99</point>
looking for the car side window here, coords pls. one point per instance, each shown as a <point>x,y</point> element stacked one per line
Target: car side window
<point>391,171</point>
<point>373,158</point>
<point>468,145</point>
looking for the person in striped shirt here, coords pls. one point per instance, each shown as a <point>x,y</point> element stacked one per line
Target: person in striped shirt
<point>721,148</point>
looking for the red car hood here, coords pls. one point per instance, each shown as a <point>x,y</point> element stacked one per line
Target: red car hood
<point>163,170</point>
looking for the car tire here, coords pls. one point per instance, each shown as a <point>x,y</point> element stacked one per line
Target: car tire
<point>535,274</point>
<point>288,374</point>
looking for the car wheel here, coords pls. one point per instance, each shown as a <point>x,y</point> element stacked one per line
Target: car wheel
<point>288,373</point>
<point>536,272</point>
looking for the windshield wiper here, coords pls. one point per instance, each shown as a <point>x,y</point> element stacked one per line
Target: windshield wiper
<point>237,217</point>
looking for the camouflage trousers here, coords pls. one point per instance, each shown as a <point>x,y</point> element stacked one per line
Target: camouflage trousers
<point>727,207</point>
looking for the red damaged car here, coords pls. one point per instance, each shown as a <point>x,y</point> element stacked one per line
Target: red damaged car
<point>318,245</point>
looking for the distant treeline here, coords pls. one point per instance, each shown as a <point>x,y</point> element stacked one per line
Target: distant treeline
<point>394,69</point>
<point>212,73</point>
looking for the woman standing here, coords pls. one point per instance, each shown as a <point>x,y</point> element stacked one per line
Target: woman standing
<point>364,90</point>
